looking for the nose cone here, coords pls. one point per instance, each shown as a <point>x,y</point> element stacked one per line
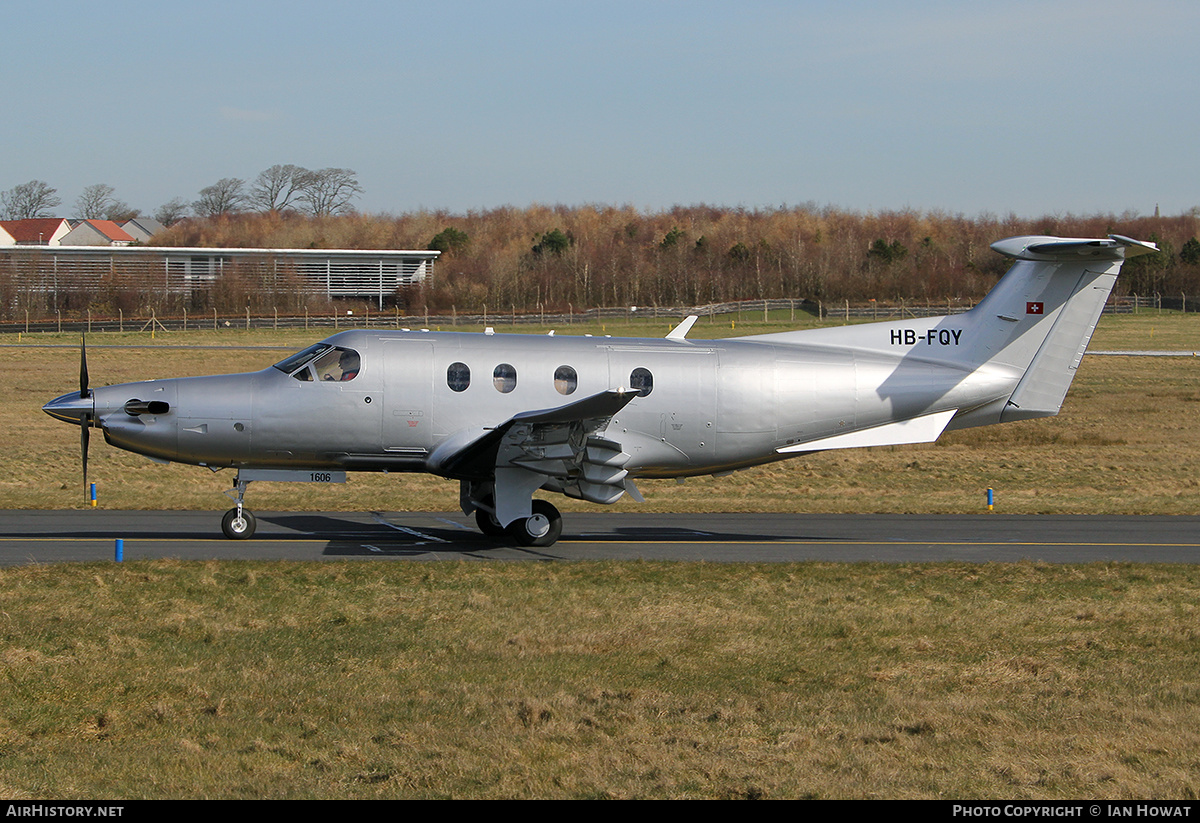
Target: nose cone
<point>71,408</point>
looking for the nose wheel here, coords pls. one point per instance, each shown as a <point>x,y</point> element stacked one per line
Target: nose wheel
<point>238,524</point>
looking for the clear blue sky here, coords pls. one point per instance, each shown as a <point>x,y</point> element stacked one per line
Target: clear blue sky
<point>1036,108</point>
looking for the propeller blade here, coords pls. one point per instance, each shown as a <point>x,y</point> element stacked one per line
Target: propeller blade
<point>85,422</point>
<point>85,429</point>
<point>83,372</point>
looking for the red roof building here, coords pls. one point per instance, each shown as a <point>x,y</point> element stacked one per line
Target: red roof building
<point>37,231</point>
<point>97,233</point>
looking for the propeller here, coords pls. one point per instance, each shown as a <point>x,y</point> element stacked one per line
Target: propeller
<point>85,422</point>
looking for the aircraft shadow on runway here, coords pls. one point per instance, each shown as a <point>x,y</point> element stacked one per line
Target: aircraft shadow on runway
<point>358,539</point>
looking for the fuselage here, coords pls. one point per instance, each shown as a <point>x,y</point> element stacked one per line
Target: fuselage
<point>703,406</point>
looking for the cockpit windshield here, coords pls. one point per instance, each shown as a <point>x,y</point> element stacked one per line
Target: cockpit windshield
<point>298,359</point>
<point>328,363</point>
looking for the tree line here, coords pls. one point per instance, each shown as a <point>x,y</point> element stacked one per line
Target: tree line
<point>556,257</point>
<point>281,188</point>
<point>560,257</point>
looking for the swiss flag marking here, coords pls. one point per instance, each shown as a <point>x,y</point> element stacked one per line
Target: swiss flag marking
<point>1033,308</point>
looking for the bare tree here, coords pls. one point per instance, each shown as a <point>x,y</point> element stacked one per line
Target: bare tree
<point>278,187</point>
<point>119,211</point>
<point>329,191</point>
<point>172,211</point>
<point>28,200</point>
<point>226,196</point>
<point>93,202</point>
<point>97,203</point>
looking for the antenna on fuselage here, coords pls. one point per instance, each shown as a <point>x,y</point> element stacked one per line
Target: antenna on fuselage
<point>680,331</point>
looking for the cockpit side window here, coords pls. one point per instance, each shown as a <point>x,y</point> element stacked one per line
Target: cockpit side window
<point>337,365</point>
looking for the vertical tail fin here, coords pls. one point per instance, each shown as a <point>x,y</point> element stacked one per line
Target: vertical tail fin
<point>1043,312</point>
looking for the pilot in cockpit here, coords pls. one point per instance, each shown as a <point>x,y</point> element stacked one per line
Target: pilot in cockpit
<point>349,364</point>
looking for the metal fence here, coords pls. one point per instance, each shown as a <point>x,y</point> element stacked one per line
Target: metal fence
<point>778,310</point>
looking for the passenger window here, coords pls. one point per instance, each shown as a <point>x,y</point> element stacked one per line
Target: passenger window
<point>504,378</point>
<point>288,365</point>
<point>458,376</point>
<point>565,380</point>
<point>641,381</point>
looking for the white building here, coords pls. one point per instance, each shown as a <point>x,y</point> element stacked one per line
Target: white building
<point>377,274</point>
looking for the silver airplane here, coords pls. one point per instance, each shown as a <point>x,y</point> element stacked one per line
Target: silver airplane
<point>507,415</point>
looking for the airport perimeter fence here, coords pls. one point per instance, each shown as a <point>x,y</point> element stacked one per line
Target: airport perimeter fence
<point>777,310</point>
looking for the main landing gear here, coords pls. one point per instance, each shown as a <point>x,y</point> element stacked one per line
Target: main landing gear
<point>541,529</point>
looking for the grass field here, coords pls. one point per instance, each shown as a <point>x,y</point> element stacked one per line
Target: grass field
<point>368,680</point>
<point>387,679</point>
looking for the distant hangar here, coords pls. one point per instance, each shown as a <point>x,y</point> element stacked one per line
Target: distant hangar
<point>377,274</point>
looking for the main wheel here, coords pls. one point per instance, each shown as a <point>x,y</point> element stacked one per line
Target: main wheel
<point>486,521</point>
<point>542,528</point>
<point>238,528</point>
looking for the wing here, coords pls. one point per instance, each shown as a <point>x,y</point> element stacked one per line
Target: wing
<point>557,449</point>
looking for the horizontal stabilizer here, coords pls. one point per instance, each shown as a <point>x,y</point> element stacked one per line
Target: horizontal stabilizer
<point>917,430</point>
<point>1036,247</point>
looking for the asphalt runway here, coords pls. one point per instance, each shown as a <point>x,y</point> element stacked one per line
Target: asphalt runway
<point>91,535</point>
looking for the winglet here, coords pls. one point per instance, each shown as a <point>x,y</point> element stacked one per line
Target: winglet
<point>680,331</point>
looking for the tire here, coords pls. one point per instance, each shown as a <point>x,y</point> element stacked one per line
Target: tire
<point>541,529</point>
<point>486,521</point>
<point>238,529</point>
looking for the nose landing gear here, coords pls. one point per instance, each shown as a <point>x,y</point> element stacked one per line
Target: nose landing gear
<point>239,522</point>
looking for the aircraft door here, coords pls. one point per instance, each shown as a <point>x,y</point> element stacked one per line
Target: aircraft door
<point>407,414</point>
<point>746,410</point>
